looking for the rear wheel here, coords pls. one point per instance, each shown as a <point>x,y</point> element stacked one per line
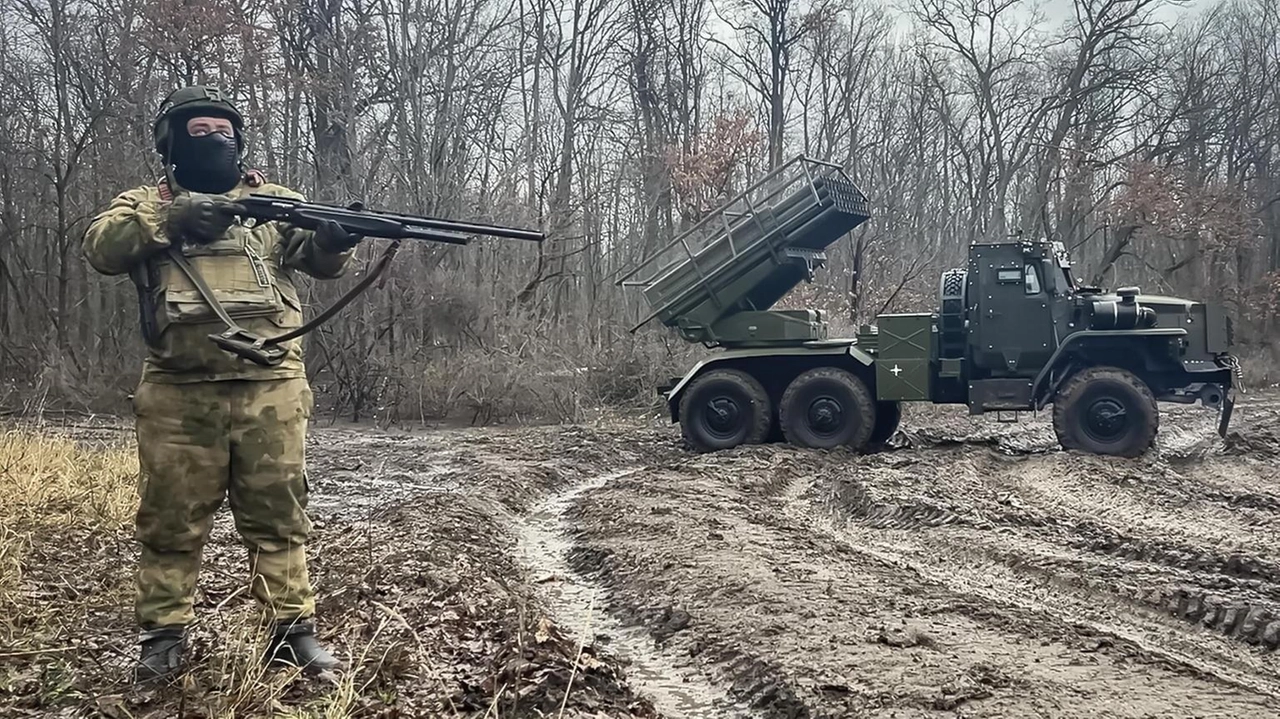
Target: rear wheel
<point>724,408</point>
<point>1106,410</point>
<point>888,416</point>
<point>827,407</point>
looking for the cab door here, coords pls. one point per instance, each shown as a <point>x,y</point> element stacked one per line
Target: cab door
<point>1015,334</point>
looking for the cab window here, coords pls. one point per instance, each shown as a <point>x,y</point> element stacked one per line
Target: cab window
<point>1032,280</point>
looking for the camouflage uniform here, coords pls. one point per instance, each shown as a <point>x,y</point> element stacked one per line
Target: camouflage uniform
<point>209,424</point>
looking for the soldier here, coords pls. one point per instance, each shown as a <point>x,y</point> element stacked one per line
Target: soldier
<point>209,424</point>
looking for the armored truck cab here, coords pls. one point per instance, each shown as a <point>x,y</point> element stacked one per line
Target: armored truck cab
<point>1013,331</point>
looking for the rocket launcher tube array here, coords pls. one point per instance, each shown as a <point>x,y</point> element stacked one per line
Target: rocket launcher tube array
<point>747,266</point>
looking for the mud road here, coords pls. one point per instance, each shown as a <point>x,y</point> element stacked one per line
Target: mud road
<point>974,569</point>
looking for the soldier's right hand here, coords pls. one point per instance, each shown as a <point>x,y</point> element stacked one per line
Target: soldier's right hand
<point>201,218</point>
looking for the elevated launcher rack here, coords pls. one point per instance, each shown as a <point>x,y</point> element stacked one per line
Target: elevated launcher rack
<point>715,282</point>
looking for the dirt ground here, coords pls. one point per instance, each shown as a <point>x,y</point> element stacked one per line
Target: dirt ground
<point>973,569</point>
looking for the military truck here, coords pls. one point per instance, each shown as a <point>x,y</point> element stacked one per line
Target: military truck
<point>1013,332</point>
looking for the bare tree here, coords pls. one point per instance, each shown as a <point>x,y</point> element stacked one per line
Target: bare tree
<point>613,124</point>
<point>767,35</point>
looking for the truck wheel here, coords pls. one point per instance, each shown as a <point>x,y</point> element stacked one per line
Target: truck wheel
<point>724,408</point>
<point>888,415</point>
<point>827,407</point>
<point>1106,410</point>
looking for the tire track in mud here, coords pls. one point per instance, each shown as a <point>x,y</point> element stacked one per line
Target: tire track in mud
<point>1009,598</point>
<point>987,573</point>
<point>1252,578</point>
<point>661,538</point>
<point>1228,592</point>
<point>527,481</point>
<point>1250,571</point>
<point>751,683</point>
<point>581,605</point>
<point>1225,585</point>
<point>1232,615</point>
<point>1072,618</point>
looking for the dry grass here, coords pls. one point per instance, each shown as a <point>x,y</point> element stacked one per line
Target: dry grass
<point>431,622</point>
<point>54,491</point>
<point>51,480</point>
<point>65,566</point>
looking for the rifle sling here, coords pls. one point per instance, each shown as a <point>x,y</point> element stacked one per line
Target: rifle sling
<point>240,341</point>
<point>345,299</point>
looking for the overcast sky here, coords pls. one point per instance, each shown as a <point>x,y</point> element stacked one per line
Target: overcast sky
<point>1058,10</point>
<point>1054,11</point>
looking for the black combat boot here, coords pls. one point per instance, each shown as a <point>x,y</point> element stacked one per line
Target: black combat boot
<point>161,656</point>
<point>293,644</point>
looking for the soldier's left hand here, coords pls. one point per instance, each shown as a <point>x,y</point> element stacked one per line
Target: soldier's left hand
<point>332,238</point>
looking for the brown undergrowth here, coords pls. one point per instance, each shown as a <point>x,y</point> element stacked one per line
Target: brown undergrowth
<point>418,600</point>
<point>63,508</point>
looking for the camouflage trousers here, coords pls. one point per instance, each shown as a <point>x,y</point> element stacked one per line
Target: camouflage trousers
<point>203,442</point>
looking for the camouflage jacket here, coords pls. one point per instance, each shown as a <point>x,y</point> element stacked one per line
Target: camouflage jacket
<point>250,270</point>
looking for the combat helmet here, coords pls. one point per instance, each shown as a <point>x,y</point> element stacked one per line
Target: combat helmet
<point>204,99</point>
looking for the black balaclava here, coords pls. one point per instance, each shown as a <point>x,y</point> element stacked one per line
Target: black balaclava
<point>205,164</point>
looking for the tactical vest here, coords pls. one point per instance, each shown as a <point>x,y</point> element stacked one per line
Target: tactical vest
<point>246,283</point>
<point>242,269</point>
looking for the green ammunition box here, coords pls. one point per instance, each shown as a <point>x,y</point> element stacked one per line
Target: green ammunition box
<point>902,363</point>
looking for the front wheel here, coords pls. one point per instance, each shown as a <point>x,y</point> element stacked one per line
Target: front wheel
<point>724,408</point>
<point>1106,410</point>
<point>827,407</point>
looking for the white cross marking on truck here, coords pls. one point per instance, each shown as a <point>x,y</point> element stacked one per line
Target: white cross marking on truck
<point>896,370</point>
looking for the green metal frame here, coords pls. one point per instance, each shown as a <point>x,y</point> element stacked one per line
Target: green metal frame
<point>746,255</point>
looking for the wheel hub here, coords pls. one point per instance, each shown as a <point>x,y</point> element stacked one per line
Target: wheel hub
<point>1106,419</point>
<point>723,416</point>
<point>825,415</point>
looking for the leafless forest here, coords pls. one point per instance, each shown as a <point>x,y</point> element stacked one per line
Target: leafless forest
<point>1142,133</point>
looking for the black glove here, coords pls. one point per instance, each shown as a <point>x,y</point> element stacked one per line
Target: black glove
<point>201,218</point>
<point>330,237</point>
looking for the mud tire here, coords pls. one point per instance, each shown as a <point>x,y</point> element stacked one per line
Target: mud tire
<point>1083,412</point>
<point>744,417</point>
<point>888,416</point>
<point>822,394</point>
